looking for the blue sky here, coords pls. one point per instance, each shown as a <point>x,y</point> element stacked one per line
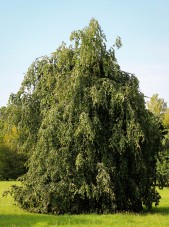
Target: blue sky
<point>32,28</point>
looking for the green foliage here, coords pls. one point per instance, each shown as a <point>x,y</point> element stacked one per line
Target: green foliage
<point>159,108</point>
<point>166,119</point>
<point>94,145</point>
<point>163,161</point>
<point>3,117</point>
<point>118,43</point>
<point>12,162</point>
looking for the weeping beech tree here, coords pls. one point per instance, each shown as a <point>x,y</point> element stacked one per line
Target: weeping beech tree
<point>93,146</point>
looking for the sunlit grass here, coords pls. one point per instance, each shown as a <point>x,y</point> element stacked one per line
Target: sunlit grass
<point>11,215</point>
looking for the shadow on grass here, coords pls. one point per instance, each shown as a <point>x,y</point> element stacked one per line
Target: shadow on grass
<point>40,220</point>
<point>160,210</point>
<point>156,210</point>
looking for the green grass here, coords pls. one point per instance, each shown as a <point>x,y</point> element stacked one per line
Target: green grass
<point>12,216</point>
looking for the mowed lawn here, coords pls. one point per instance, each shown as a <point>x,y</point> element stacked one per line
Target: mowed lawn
<point>11,215</point>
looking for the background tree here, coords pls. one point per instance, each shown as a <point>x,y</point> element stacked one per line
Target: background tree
<point>11,160</point>
<point>94,145</point>
<point>159,108</point>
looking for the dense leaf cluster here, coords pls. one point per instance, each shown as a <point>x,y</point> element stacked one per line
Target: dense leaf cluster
<point>94,145</point>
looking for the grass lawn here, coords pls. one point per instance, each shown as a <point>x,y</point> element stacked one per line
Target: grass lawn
<point>11,215</point>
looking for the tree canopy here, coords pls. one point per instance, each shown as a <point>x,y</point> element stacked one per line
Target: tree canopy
<point>92,143</point>
<point>157,106</point>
